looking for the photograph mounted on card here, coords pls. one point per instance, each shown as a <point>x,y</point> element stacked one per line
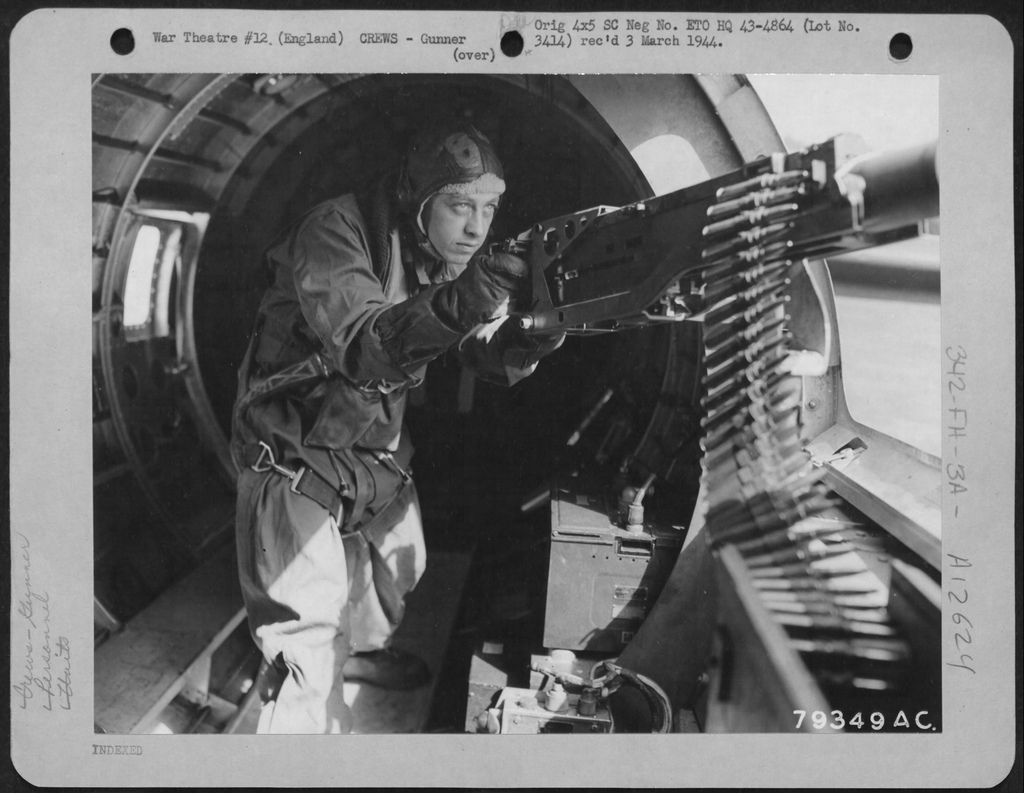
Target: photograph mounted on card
<point>604,375</point>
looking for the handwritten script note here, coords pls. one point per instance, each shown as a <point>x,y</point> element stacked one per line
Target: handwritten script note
<point>44,675</point>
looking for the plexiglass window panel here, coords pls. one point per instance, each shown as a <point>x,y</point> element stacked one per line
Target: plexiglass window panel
<point>138,288</point>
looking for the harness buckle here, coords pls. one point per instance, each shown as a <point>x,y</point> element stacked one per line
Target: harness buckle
<point>261,467</point>
<point>316,487</point>
<point>295,477</point>
<point>389,459</point>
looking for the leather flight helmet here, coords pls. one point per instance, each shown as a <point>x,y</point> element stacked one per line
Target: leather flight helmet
<point>449,157</point>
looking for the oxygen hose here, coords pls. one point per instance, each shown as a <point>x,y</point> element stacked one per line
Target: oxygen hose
<point>657,699</point>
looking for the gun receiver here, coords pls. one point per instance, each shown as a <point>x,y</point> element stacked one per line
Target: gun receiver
<point>608,268</point>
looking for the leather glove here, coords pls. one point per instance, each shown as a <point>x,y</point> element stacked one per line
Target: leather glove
<point>479,294</point>
<point>424,326</point>
<point>522,350</point>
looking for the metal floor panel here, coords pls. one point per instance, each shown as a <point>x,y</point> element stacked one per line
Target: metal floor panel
<point>140,670</point>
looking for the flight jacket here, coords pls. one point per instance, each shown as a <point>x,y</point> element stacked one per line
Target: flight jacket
<point>335,273</point>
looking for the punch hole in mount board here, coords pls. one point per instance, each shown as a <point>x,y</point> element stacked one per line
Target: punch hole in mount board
<point>900,47</point>
<point>512,43</point>
<point>122,41</point>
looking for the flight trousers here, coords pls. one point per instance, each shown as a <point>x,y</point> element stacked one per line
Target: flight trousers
<point>315,594</point>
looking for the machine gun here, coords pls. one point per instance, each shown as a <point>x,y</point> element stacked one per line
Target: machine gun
<point>792,557</point>
<point>657,260</point>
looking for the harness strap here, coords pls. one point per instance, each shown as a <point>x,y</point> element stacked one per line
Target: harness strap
<point>383,522</point>
<point>305,481</point>
<point>306,370</point>
<point>387,458</point>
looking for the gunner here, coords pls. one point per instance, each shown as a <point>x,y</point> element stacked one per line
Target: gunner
<point>366,289</point>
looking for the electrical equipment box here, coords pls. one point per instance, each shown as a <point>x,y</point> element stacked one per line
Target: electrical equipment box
<point>522,711</point>
<point>602,579</point>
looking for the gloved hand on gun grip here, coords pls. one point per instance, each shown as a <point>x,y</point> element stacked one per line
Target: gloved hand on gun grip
<point>486,290</point>
<point>509,354</point>
<point>521,350</point>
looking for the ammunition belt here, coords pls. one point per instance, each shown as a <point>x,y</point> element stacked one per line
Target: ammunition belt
<point>766,497</point>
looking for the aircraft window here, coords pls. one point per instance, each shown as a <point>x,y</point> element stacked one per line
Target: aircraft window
<point>139,283</point>
<point>892,366</point>
<point>164,241</point>
<point>670,163</point>
<point>889,329</point>
<point>163,303</point>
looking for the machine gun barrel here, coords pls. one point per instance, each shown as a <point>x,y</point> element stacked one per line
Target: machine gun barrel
<point>607,268</point>
<point>900,187</point>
